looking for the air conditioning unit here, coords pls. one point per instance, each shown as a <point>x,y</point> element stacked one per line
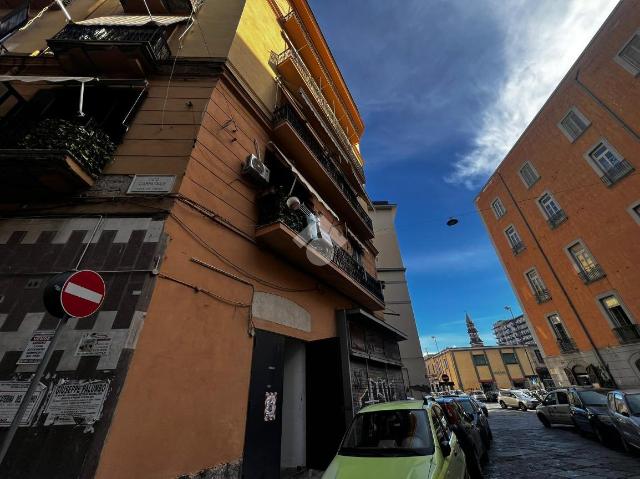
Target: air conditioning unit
<point>255,169</point>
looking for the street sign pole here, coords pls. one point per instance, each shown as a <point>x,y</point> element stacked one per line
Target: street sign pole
<point>6,443</point>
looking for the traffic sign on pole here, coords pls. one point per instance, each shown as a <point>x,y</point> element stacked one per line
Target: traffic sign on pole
<point>77,294</point>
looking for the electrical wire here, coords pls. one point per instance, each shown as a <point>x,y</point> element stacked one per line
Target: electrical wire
<point>198,289</point>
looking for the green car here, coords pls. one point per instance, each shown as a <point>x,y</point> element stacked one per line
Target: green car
<point>399,440</point>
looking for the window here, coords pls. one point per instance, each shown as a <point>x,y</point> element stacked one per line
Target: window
<point>529,175</point>
<point>621,407</point>
<point>551,399</point>
<point>636,212</point>
<point>582,257</point>
<point>573,124</point>
<point>535,281</point>
<point>498,208</point>
<point>514,239</point>
<point>558,328</point>
<point>357,253</point>
<point>509,358</point>
<point>615,311</point>
<point>480,360</point>
<point>551,208</point>
<point>605,158</point>
<point>440,424</point>
<point>562,398</point>
<point>630,55</point>
<point>538,355</point>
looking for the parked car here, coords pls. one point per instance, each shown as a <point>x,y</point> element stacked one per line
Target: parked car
<point>554,408</point>
<point>482,406</point>
<point>516,399</point>
<point>492,396</point>
<point>399,439</point>
<point>480,419</point>
<point>471,437</point>
<point>624,409</point>
<point>478,395</point>
<point>589,413</point>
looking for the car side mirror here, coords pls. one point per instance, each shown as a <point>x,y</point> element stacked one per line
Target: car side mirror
<point>445,447</point>
<point>625,413</point>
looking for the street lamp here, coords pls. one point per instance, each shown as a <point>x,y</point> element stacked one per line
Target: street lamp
<point>508,308</point>
<point>436,341</point>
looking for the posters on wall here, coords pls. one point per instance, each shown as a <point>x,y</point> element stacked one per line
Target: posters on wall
<point>94,344</point>
<point>36,348</point>
<point>75,402</point>
<point>11,395</point>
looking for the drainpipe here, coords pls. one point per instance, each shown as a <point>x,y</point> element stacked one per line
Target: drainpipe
<point>555,275</point>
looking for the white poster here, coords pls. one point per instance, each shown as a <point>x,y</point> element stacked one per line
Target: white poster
<point>94,344</point>
<point>11,395</point>
<point>36,348</point>
<point>76,402</point>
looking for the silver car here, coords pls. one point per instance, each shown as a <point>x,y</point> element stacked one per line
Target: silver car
<point>624,409</point>
<point>516,399</point>
<point>555,408</point>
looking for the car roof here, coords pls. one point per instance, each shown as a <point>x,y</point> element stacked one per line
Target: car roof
<point>394,406</point>
<point>626,391</point>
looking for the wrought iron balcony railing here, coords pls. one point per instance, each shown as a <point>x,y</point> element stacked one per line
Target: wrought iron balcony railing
<point>542,296</point>
<point>557,219</point>
<point>617,172</point>
<point>14,19</point>
<point>567,346</point>
<point>151,37</point>
<point>273,209</point>
<point>629,333</point>
<point>287,113</point>
<point>518,248</point>
<point>592,274</point>
<point>319,97</point>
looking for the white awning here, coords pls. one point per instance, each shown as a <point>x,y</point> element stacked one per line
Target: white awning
<point>133,20</point>
<point>30,79</point>
<point>302,180</point>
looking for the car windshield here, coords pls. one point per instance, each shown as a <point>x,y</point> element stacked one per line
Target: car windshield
<point>634,403</point>
<point>522,395</point>
<point>403,432</point>
<point>593,398</point>
<point>466,405</point>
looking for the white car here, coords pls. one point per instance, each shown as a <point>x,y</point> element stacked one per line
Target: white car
<point>516,399</point>
<point>478,396</point>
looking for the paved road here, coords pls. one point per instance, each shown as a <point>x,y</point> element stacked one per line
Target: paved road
<point>523,448</point>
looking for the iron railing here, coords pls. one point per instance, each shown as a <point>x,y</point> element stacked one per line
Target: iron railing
<point>592,274</point>
<point>288,114</point>
<point>629,333</point>
<point>542,295</point>
<point>322,101</point>
<point>557,219</point>
<point>518,247</point>
<point>567,346</point>
<point>14,19</point>
<point>272,209</point>
<point>152,37</point>
<point>617,172</point>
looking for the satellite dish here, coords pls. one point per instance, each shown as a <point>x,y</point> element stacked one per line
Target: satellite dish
<point>293,203</point>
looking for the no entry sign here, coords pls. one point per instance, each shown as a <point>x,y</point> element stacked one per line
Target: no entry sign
<point>75,293</point>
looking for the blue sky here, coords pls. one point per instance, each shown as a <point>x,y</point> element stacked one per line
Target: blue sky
<point>445,88</point>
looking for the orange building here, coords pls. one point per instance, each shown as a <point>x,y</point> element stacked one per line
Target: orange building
<point>203,156</point>
<point>563,212</point>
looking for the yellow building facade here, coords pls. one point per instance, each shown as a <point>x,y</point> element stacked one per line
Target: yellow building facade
<point>483,368</point>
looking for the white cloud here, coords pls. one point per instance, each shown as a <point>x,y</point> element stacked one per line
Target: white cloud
<point>542,39</point>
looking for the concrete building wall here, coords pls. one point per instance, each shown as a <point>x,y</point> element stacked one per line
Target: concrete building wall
<point>391,270</point>
<point>601,88</point>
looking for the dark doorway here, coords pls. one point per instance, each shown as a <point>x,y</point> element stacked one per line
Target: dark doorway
<point>264,415</point>
<point>325,408</point>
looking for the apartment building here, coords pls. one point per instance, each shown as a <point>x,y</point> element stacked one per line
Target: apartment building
<point>563,212</point>
<point>399,311</point>
<point>485,368</point>
<point>513,331</point>
<point>203,156</point>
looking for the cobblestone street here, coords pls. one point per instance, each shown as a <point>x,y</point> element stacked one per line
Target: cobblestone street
<point>523,448</point>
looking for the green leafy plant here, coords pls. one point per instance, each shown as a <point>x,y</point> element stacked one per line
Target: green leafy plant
<point>89,145</point>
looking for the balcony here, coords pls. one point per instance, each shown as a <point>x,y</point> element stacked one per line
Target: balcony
<point>629,333</point>
<point>592,274</point>
<point>557,219</point>
<point>94,48</point>
<point>567,346</point>
<point>518,248</point>
<point>295,71</point>
<point>542,296</point>
<point>53,157</point>
<point>292,132</point>
<point>12,19</point>
<point>617,172</point>
<point>279,230</point>
<point>161,7</point>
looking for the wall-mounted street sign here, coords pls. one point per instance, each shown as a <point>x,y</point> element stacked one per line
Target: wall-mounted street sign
<point>77,294</point>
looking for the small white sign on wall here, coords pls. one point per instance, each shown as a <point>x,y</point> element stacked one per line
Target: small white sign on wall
<point>151,184</point>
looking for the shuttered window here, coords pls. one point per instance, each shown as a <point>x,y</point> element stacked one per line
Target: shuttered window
<point>528,174</point>
<point>631,53</point>
<point>498,208</point>
<point>573,124</point>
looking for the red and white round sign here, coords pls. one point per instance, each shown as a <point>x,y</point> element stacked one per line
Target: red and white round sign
<point>82,294</point>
